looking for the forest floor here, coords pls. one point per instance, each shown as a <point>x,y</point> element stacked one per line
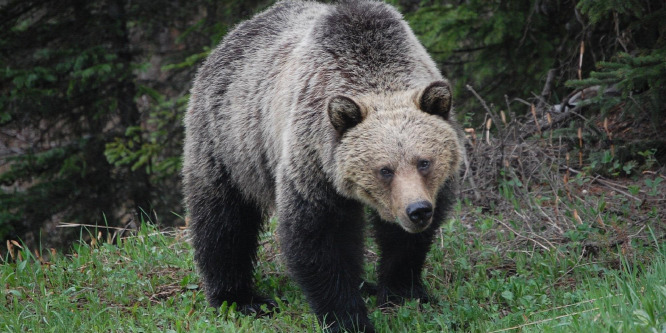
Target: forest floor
<point>541,240</point>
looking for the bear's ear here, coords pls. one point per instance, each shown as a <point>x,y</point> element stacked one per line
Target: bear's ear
<point>344,113</point>
<point>436,99</point>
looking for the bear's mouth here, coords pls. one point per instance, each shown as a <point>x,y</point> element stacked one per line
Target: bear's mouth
<point>411,227</point>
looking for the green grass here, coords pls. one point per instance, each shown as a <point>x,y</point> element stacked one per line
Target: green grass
<point>147,283</point>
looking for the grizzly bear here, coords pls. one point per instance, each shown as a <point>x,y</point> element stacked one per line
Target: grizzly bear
<point>312,112</point>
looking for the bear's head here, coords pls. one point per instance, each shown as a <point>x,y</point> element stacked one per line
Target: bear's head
<point>396,150</point>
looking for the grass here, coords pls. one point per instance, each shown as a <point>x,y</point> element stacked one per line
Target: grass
<point>147,283</point>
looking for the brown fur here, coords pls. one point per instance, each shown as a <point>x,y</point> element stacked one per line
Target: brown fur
<point>309,112</point>
<point>395,133</point>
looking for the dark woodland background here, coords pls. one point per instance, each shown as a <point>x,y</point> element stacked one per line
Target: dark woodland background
<point>92,93</point>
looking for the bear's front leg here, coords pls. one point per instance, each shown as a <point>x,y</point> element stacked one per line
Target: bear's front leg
<point>403,254</point>
<point>322,240</point>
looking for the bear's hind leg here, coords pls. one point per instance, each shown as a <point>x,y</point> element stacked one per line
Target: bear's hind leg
<point>225,229</point>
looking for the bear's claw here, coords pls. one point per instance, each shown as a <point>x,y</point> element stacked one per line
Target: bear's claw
<point>259,307</point>
<point>369,288</point>
<point>389,297</point>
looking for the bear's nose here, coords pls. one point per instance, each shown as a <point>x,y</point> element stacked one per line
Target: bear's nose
<point>419,212</point>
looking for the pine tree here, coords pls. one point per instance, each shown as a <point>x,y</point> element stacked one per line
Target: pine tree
<point>67,89</point>
<point>636,61</point>
<point>508,47</point>
<point>92,94</point>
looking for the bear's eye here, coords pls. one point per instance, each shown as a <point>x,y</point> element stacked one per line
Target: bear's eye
<point>386,173</point>
<point>423,165</point>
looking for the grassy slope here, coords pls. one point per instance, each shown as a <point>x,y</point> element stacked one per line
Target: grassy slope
<point>148,283</point>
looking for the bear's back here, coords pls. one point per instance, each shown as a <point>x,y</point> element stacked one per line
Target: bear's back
<point>373,48</point>
<point>230,95</point>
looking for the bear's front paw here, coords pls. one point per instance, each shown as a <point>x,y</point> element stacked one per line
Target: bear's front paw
<point>392,296</point>
<point>259,306</point>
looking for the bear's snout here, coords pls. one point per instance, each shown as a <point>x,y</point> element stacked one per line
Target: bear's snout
<point>419,213</point>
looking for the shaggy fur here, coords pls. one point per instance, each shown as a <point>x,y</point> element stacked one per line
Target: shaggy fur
<point>311,112</point>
